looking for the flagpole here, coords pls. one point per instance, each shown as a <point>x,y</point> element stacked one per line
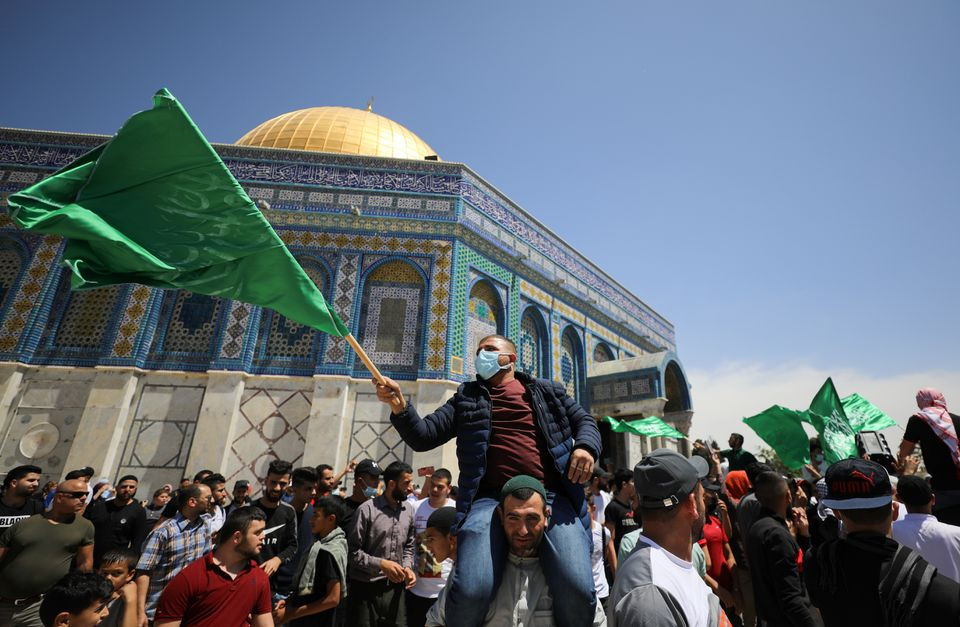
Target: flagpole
<point>364,358</point>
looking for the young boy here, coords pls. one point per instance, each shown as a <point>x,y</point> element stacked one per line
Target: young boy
<point>437,537</point>
<point>119,567</point>
<point>320,581</point>
<point>79,599</point>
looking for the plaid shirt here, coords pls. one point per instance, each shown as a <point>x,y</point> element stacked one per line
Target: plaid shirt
<point>170,548</point>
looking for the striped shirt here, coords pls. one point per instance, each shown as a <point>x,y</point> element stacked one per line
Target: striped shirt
<point>170,548</point>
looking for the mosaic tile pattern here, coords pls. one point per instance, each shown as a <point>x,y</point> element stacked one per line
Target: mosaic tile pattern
<point>129,326</point>
<point>237,322</point>
<point>391,316</point>
<point>373,436</point>
<point>31,285</point>
<point>484,318</point>
<point>602,352</point>
<point>283,342</point>
<point>342,302</point>
<point>571,363</point>
<point>11,267</point>
<point>187,331</point>
<point>531,343</point>
<point>273,425</point>
<point>78,324</point>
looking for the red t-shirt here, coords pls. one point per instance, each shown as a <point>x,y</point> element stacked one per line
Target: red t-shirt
<point>203,595</point>
<point>517,447</point>
<point>714,537</point>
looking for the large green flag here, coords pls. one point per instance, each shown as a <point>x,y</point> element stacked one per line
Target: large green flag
<point>828,418</point>
<point>651,427</point>
<point>156,205</point>
<point>864,415</point>
<point>782,429</point>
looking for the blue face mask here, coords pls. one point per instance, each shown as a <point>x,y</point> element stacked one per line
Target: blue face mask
<point>488,364</point>
<point>368,491</point>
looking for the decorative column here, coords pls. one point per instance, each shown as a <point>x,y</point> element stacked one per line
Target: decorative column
<point>330,422</point>
<point>217,421</point>
<point>105,421</point>
<point>11,378</point>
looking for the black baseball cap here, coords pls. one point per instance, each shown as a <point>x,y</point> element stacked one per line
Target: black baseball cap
<point>368,467</point>
<point>665,477</point>
<point>914,491</point>
<point>241,484</point>
<point>857,484</point>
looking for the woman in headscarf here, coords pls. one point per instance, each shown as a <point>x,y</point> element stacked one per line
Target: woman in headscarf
<point>737,485</point>
<point>935,429</point>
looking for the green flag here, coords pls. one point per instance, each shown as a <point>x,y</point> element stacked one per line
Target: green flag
<point>155,205</point>
<point>864,415</point>
<point>828,418</point>
<point>782,429</point>
<point>651,427</point>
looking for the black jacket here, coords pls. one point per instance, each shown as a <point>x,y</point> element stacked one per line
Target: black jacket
<point>843,577</point>
<point>467,416</point>
<point>279,540</point>
<point>777,587</point>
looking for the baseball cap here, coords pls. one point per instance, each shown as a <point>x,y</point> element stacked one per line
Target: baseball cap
<point>242,484</point>
<point>664,477</point>
<point>522,481</point>
<point>368,467</point>
<point>914,491</point>
<point>712,487</point>
<point>857,484</point>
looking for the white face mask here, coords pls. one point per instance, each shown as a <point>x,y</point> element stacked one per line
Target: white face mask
<point>488,364</point>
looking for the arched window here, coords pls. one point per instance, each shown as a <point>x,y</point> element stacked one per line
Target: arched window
<point>532,344</point>
<point>78,321</point>
<point>484,317</point>
<point>288,345</point>
<point>187,331</point>
<point>571,362</point>
<point>391,317</point>
<point>602,352</point>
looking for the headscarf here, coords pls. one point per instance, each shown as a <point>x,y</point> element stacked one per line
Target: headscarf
<point>737,484</point>
<point>933,411</point>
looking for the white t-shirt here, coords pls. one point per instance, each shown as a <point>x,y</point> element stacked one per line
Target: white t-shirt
<point>596,557</point>
<point>936,542</point>
<point>679,578</point>
<point>431,577</point>
<point>600,501</point>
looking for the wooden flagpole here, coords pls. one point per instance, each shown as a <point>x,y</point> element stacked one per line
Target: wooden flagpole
<point>355,345</point>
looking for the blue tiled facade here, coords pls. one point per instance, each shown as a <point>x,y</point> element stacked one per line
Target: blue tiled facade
<point>417,257</point>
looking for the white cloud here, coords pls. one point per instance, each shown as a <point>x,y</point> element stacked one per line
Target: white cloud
<point>723,396</point>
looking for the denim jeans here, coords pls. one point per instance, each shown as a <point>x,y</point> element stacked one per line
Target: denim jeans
<point>482,553</point>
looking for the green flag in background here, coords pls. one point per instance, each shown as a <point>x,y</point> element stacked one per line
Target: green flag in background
<point>827,416</point>
<point>156,205</point>
<point>782,429</point>
<point>651,427</point>
<point>864,415</point>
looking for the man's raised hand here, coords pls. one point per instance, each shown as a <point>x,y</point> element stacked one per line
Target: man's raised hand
<point>389,392</point>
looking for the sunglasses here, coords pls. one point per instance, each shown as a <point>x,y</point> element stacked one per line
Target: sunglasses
<point>82,496</point>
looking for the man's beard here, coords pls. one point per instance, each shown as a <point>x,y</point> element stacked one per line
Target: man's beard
<point>697,526</point>
<point>248,551</point>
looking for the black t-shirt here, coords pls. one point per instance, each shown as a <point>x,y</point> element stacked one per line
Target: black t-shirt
<point>623,521</point>
<point>116,527</point>
<point>325,573</point>
<point>10,515</point>
<point>936,454</point>
<point>279,540</point>
<point>843,580</point>
<point>350,506</point>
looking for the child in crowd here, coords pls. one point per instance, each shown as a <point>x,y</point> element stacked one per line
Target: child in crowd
<point>437,537</point>
<point>119,567</point>
<point>79,599</point>
<point>321,580</point>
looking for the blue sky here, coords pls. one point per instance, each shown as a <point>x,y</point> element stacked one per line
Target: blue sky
<point>780,180</point>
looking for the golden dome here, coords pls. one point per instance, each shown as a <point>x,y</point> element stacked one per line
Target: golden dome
<point>341,130</point>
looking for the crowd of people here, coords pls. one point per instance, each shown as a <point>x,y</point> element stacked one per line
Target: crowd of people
<point>535,532</point>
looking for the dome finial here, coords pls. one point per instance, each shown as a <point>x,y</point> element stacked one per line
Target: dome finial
<point>370,104</point>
